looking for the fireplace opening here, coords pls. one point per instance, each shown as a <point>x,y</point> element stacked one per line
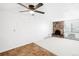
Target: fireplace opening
<point>57,32</point>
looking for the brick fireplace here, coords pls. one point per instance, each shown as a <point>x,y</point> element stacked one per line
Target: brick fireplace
<point>58,29</point>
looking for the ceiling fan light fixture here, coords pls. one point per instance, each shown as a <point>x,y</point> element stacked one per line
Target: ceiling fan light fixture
<point>32,12</point>
<point>33,8</point>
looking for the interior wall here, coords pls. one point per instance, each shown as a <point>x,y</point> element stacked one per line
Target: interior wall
<point>71,16</point>
<point>22,28</point>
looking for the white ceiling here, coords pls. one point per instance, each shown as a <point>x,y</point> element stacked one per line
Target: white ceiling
<point>52,10</point>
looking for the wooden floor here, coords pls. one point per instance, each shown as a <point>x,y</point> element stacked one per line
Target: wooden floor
<point>28,50</point>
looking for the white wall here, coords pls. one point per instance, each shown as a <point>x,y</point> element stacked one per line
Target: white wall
<point>22,28</point>
<point>71,15</point>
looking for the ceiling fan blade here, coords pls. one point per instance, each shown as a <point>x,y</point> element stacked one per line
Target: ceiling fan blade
<point>39,5</point>
<point>25,11</point>
<point>39,12</point>
<point>22,5</point>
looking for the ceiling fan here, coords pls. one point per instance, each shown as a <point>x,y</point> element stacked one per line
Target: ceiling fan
<point>32,8</point>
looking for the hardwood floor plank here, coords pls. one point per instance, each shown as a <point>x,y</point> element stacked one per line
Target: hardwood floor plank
<point>28,50</point>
